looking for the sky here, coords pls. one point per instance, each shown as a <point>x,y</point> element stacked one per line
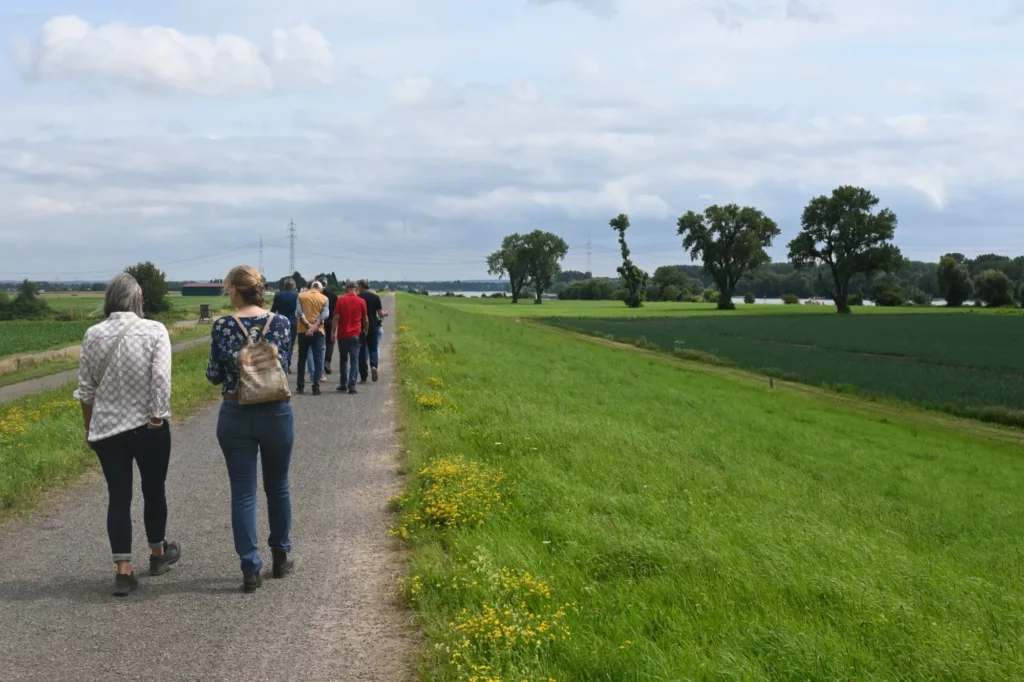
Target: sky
<point>406,137</point>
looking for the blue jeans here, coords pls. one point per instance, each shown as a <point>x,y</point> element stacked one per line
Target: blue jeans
<point>348,349</point>
<point>368,349</point>
<point>243,431</point>
<point>310,346</point>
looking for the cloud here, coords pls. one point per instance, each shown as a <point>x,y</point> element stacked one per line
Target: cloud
<point>601,8</point>
<point>802,10</point>
<point>420,91</point>
<point>163,59</point>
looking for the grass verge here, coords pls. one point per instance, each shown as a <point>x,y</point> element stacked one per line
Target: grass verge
<point>580,512</point>
<point>41,441</point>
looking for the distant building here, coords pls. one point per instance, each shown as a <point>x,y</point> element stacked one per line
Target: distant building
<point>199,289</point>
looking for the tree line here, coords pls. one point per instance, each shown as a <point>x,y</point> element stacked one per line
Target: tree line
<point>844,251</point>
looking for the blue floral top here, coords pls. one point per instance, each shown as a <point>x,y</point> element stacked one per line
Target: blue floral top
<point>226,339</point>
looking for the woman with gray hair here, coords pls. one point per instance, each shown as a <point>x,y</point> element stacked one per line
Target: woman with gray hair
<point>124,386</point>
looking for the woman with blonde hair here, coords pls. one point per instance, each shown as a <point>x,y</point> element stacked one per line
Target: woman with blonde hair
<point>245,430</point>
<point>124,386</point>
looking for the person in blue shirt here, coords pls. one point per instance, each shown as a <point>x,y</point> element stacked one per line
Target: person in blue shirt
<point>286,304</point>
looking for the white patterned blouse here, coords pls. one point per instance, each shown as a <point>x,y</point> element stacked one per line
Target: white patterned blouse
<point>137,383</point>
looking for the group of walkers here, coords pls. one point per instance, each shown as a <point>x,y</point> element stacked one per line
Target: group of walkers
<point>124,389</point>
<point>320,319</point>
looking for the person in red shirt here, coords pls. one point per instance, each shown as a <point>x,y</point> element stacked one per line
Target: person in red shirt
<point>350,323</point>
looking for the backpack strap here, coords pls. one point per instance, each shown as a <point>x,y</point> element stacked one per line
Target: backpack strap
<point>248,337</point>
<point>266,327</point>
<point>245,331</point>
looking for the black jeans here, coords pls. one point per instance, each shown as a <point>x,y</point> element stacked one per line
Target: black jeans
<point>328,344</point>
<point>151,450</point>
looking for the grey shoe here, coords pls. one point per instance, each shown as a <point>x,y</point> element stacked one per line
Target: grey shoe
<point>158,565</point>
<point>125,584</point>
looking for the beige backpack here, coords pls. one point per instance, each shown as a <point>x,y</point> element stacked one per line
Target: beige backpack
<point>260,376</point>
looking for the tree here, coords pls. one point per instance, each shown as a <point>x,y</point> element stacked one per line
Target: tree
<point>154,287</point>
<point>98,286</point>
<point>994,288</point>
<point>543,253</point>
<point>510,260</point>
<point>843,232</point>
<point>887,293</point>
<point>667,275</point>
<point>633,277</point>
<point>731,241</point>
<point>955,284</point>
<point>749,297</point>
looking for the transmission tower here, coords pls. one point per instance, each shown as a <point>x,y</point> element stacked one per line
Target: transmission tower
<point>590,256</point>
<point>261,254</point>
<point>291,242</point>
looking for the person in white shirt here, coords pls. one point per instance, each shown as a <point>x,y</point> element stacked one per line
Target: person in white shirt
<point>124,386</point>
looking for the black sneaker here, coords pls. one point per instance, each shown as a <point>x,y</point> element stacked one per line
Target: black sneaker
<point>251,582</point>
<point>158,565</point>
<point>316,389</point>
<point>327,371</point>
<point>340,388</point>
<point>300,389</point>
<point>283,564</point>
<point>352,391</point>
<point>125,584</point>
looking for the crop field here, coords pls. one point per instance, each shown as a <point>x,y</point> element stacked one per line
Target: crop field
<point>551,308</point>
<point>578,512</point>
<point>961,363</point>
<point>29,336</point>
<point>90,305</point>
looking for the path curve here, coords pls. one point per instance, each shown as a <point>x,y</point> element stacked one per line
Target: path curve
<point>335,619</point>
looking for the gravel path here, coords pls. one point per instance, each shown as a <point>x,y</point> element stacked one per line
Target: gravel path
<point>335,618</point>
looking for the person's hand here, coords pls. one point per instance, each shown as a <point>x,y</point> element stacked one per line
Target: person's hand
<point>310,331</point>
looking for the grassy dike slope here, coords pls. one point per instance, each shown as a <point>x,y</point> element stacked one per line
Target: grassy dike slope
<point>579,512</point>
<point>41,440</point>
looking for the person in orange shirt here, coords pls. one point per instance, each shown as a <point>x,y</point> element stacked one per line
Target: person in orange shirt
<point>313,310</point>
<point>350,324</point>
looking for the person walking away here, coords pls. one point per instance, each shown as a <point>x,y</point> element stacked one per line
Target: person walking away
<point>245,431</point>
<point>369,359</point>
<point>124,387</point>
<point>332,303</point>
<point>312,314</point>
<point>350,323</point>
<point>286,303</point>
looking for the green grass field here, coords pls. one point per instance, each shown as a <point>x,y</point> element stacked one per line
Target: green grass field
<point>41,439</point>
<point>959,363</point>
<point>583,512</point>
<point>526,308</point>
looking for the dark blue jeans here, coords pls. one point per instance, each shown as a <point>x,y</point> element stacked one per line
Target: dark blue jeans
<point>348,370</point>
<point>269,431</point>
<point>151,450</point>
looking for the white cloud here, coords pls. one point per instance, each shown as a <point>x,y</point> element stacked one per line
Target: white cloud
<point>164,59</point>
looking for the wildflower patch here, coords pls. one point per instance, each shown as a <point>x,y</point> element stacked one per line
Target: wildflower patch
<point>508,622</point>
<point>449,493</point>
<point>430,402</point>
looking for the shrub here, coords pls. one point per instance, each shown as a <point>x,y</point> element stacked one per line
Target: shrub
<point>918,297</point>
<point>994,288</point>
<point>749,297</point>
<point>694,298</point>
<point>887,294</point>
<point>641,342</point>
<point>855,299</point>
<point>710,295</point>
<point>26,305</point>
<point>790,299</point>
<point>701,356</point>
<point>671,293</point>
